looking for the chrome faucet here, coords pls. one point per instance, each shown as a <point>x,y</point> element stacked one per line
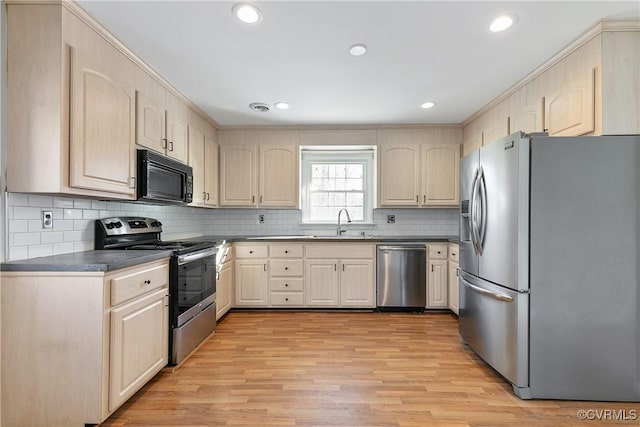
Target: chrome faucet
<point>342,230</point>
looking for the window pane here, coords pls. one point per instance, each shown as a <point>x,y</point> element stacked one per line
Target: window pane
<point>355,170</point>
<point>357,214</point>
<point>319,199</point>
<point>355,199</point>
<point>331,186</point>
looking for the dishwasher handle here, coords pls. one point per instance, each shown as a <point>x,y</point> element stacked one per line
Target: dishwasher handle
<point>402,248</point>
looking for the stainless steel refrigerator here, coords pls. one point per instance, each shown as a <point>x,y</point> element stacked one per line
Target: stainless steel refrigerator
<point>550,264</point>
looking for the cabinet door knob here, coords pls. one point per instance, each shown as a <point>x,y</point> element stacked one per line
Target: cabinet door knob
<point>286,299</point>
<point>286,285</point>
<point>250,252</point>
<point>286,252</point>
<point>286,268</point>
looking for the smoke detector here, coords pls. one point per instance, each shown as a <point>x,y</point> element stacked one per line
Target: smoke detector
<point>260,107</point>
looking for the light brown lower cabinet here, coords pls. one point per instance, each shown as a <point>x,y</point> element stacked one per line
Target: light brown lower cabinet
<point>224,283</point>
<point>437,269</point>
<point>77,345</point>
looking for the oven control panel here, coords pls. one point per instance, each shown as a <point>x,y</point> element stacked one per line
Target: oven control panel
<point>118,226</point>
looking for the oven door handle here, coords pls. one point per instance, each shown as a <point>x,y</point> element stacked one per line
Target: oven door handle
<point>184,259</point>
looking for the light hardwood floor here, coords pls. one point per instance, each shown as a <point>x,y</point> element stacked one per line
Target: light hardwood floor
<point>341,369</point>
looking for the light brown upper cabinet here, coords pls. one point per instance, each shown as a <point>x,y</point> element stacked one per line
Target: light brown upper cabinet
<point>211,166</point>
<point>528,118</point>
<point>161,121</point>
<point>440,174</point>
<point>203,159</point>
<point>259,168</point>
<point>399,171</point>
<point>495,125</point>
<point>419,167</point>
<point>71,115</point>
<point>102,121</point>
<point>570,108</point>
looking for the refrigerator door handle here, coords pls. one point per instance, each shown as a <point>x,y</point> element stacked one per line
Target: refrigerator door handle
<point>482,197</point>
<point>473,200</point>
<point>496,295</point>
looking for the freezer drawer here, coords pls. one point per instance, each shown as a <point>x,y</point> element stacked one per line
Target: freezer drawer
<point>493,321</point>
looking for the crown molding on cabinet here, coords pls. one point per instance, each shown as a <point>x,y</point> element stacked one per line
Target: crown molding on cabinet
<point>600,27</point>
<point>85,17</point>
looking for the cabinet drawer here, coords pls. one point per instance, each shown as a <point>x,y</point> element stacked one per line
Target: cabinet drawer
<point>437,251</point>
<point>454,254</point>
<point>340,250</point>
<point>258,251</point>
<point>287,284</point>
<point>286,251</point>
<point>286,267</point>
<point>138,282</point>
<point>287,298</point>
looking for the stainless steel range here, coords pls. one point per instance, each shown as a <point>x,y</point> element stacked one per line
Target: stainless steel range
<point>192,281</point>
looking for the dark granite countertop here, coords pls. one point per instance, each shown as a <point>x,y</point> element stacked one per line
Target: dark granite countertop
<point>102,260</point>
<point>109,260</point>
<point>348,238</point>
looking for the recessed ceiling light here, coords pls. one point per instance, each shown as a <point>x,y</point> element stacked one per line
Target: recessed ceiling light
<point>358,49</point>
<point>282,105</point>
<point>260,107</point>
<point>428,104</point>
<point>501,23</point>
<point>247,13</point>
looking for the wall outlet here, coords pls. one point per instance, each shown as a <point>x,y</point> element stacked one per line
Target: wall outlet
<point>47,219</point>
<point>391,219</point>
<point>261,219</point>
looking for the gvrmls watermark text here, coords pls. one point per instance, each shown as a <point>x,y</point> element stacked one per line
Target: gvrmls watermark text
<point>608,414</point>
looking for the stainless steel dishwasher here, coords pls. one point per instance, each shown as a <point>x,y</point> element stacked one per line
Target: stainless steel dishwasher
<point>401,279</point>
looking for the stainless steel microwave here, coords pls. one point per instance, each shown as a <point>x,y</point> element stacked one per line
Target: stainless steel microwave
<point>163,180</point>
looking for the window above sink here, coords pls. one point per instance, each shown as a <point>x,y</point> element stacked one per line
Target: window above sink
<point>337,177</point>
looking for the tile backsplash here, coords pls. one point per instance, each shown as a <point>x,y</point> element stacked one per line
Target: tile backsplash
<point>73,223</point>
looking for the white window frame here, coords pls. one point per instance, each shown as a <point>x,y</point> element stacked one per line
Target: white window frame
<point>339,155</point>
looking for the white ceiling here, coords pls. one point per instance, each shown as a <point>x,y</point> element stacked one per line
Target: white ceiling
<point>418,51</point>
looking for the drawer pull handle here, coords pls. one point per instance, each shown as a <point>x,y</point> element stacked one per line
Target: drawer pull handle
<point>147,282</point>
<point>286,252</point>
<point>250,252</point>
<point>286,299</point>
<point>286,268</point>
<point>286,285</point>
